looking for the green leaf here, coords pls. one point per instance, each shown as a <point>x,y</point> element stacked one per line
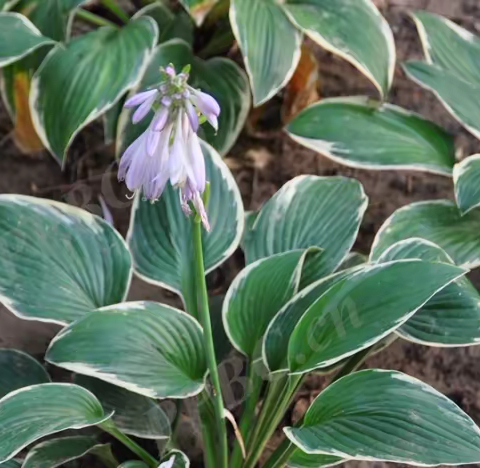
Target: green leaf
<point>51,17</point>
<point>220,339</point>
<point>256,295</point>
<point>160,237</point>
<point>11,464</point>
<point>220,77</point>
<point>133,414</point>
<point>300,459</point>
<point>452,316</point>
<point>452,70</point>
<point>79,82</point>
<point>438,221</point>
<point>33,412</point>
<point>57,452</point>
<point>7,4</point>
<point>18,38</point>
<point>353,259</point>
<point>357,132</point>
<point>466,176</point>
<point>198,9</point>
<point>277,335</point>
<point>18,369</point>
<point>147,348</point>
<point>459,97</point>
<point>269,42</point>
<point>353,29</point>
<point>77,263</point>
<point>352,315</point>
<point>386,415</point>
<point>180,459</point>
<point>309,211</point>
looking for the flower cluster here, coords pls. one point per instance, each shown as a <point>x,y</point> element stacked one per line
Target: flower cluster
<point>169,150</point>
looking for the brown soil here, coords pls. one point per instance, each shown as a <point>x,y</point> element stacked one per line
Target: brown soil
<point>261,163</point>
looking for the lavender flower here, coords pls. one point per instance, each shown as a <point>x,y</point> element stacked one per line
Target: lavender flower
<point>169,150</point>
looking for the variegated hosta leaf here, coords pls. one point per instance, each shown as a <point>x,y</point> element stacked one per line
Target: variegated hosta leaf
<point>360,133</point>
<point>18,369</point>
<point>277,335</point>
<point>353,259</point>
<point>133,414</point>
<point>198,9</point>
<point>452,70</point>
<point>220,77</point>
<point>353,29</point>
<point>77,83</point>
<point>180,460</point>
<point>57,452</point>
<point>352,316</point>
<point>18,38</point>
<point>300,459</point>
<point>33,412</point>
<point>256,295</point>
<point>269,42</point>
<point>147,348</point>
<point>386,415</point>
<point>466,177</point>
<point>309,211</point>
<point>5,5</point>
<point>51,17</point>
<point>58,262</point>
<point>452,316</point>
<point>160,236</point>
<point>11,464</point>
<point>438,221</point>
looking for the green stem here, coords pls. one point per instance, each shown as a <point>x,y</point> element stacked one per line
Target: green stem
<point>254,387</point>
<point>112,6</point>
<point>277,402</point>
<point>133,446</point>
<point>93,18</point>
<point>204,315</point>
<point>281,455</point>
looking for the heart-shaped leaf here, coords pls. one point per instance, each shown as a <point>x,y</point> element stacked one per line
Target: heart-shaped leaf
<point>257,294</point>
<point>269,42</point>
<point>452,316</point>
<point>354,30</point>
<point>160,237</point>
<point>386,415</point>
<point>33,412</point>
<point>277,335</point>
<point>359,133</point>
<point>198,9</point>
<point>133,414</point>
<point>220,77</point>
<point>309,211</point>
<point>452,70</point>
<point>352,316</point>
<point>18,38</point>
<point>57,452</point>
<point>78,82</point>
<point>77,262</point>
<point>300,459</point>
<point>147,348</point>
<point>18,369</point>
<point>467,189</point>
<point>438,221</point>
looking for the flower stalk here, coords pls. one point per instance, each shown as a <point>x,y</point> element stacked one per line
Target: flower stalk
<point>204,315</point>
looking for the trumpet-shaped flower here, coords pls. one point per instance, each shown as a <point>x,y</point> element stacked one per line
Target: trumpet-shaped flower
<point>169,150</point>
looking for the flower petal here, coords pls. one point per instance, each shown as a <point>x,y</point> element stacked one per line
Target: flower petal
<point>140,98</point>
<point>192,115</point>
<point>143,110</point>
<point>206,103</point>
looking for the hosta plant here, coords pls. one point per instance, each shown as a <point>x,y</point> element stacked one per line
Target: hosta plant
<point>304,303</point>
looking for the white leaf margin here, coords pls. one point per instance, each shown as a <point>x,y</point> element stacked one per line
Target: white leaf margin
<point>458,170</point>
